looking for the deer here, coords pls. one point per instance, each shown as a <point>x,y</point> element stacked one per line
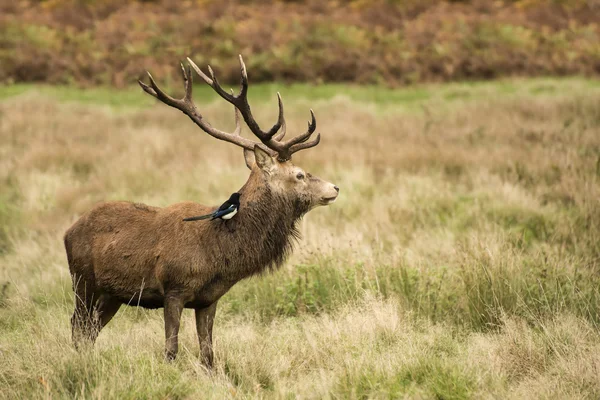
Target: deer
<point>126,253</point>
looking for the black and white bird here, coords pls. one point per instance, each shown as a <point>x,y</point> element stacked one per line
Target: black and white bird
<point>225,212</point>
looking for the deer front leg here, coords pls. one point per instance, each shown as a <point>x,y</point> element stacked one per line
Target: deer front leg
<point>173,309</point>
<point>204,325</point>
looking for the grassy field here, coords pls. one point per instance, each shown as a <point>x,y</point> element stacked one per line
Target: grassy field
<point>462,259</point>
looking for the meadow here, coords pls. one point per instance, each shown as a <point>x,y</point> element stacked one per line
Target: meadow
<point>462,259</point>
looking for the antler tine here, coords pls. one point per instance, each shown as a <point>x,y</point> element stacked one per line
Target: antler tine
<point>236,116</point>
<point>187,81</point>
<point>187,106</point>
<point>281,134</point>
<point>153,89</point>
<point>244,81</point>
<point>312,125</point>
<point>238,126</point>
<point>147,88</point>
<point>217,87</point>
<point>305,144</point>
<point>206,79</point>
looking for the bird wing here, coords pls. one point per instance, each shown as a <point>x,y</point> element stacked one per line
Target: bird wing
<point>224,209</point>
<point>225,206</point>
<point>219,213</point>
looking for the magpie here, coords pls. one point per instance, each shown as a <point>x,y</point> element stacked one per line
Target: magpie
<point>225,212</point>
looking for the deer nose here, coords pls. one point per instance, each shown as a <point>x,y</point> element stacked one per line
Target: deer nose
<point>337,189</point>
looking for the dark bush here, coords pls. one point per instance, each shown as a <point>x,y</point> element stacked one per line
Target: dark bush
<point>390,42</point>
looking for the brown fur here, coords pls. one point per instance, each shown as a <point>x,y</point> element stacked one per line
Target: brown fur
<point>133,254</point>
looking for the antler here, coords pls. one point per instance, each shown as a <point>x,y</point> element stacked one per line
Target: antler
<point>187,106</point>
<point>271,138</point>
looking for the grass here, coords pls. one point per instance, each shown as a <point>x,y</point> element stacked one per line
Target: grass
<point>461,260</point>
<point>416,95</point>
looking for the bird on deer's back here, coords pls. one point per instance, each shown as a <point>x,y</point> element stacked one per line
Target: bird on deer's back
<point>226,211</point>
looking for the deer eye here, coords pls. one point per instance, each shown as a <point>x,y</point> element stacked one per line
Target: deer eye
<point>300,176</point>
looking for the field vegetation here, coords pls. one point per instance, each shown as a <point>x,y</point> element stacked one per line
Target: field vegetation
<point>389,42</point>
<point>462,259</point>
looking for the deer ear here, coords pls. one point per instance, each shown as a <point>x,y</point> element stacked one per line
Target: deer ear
<point>249,158</point>
<point>263,159</point>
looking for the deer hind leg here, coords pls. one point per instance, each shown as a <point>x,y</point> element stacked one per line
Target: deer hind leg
<point>82,321</point>
<point>173,308</point>
<point>204,326</point>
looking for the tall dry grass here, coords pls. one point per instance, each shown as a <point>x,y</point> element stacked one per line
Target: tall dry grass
<point>461,261</point>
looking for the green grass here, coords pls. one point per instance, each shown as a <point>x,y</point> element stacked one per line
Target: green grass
<point>133,97</point>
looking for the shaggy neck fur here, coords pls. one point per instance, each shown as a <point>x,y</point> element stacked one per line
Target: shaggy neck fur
<point>262,234</point>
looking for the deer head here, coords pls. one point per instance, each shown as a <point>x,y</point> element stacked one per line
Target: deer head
<point>269,159</point>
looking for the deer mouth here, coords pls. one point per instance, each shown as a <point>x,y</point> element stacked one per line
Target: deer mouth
<point>328,200</point>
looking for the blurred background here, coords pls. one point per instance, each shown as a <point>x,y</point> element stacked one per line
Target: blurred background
<point>389,42</point>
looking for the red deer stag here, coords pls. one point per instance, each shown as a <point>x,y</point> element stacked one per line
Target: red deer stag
<point>134,254</point>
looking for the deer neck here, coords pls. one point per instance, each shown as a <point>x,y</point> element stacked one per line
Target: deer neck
<point>264,230</point>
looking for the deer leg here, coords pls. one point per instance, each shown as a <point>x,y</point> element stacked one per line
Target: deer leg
<point>106,308</point>
<point>82,323</point>
<point>204,325</point>
<point>173,309</point>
